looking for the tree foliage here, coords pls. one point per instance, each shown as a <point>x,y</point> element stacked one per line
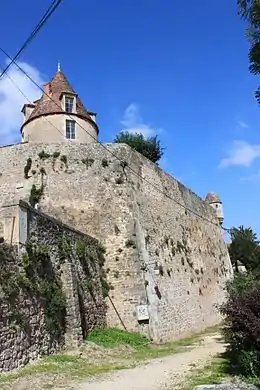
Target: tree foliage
<point>241,311</point>
<point>148,147</point>
<point>242,324</point>
<point>245,248</point>
<point>249,10</point>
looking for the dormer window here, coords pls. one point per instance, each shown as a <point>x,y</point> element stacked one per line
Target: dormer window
<point>69,104</point>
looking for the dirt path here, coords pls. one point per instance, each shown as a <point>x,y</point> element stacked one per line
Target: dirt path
<point>159,374</point>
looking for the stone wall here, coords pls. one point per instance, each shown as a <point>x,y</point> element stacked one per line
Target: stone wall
<point>164,247</point>
<point>52,285</point>
<point>185,260</point>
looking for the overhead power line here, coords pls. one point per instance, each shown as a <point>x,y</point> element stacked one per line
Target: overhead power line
<point>41,23</point>
<point>113,154</point>
<point>29,101</point>
<point>165,222</point>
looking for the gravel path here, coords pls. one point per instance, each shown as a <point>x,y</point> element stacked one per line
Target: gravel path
<point>159,374</point>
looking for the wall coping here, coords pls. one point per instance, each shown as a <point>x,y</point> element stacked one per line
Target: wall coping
<point>14,144</point>
<point>113,145</point>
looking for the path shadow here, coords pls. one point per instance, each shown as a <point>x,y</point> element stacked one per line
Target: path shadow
<point>233,370</point>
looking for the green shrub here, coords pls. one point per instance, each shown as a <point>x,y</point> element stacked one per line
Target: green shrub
<point>242,324</point>
<point>242,283</point>
<point>148,147</point>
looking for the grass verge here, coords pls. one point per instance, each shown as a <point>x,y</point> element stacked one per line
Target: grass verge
<point>217,371</point>
<point>71,367</point>
<point>213,373</point>
<point>109,341</point>
<point>112,337</point>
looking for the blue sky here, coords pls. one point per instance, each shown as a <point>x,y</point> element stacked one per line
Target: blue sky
<point>166,67</point>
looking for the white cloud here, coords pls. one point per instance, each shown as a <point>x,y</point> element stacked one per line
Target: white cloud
<point>134,123</point>
<point>242,124</point>
<point>12,100</point>
<point>241,153</point>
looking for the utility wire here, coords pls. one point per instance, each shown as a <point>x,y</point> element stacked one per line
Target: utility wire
<point>56,128</point>
<point>29,101</point>
<point>113,154</point>
<point>41,23</point>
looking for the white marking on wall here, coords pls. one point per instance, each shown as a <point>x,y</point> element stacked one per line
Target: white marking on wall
<point>23,225</point>
<point>142,313</point>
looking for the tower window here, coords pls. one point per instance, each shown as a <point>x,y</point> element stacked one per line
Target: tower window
<point>69,103</point>
<point>70,129</point>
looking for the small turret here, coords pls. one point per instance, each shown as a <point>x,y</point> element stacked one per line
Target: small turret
<point>214,200</point>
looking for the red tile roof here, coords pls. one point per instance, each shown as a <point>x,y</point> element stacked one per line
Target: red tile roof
<point>212,197</point>
<point>50,102</point>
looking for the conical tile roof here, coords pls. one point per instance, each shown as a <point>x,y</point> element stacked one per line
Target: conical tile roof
<point>50,102</point>
<point>212,197</point>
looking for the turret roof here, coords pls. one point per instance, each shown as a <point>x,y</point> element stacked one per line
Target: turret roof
<point>50,102</point>
<point>212,197</point>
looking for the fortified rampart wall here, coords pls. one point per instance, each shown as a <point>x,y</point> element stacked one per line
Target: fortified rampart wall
<point>168,266</point>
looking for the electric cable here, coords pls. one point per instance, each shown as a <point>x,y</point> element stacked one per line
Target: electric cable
<point>54,5</point>
<point>112,153</point>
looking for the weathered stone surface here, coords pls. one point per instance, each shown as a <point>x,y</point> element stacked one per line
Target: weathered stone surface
<point>23,343</point>
<point>147,223</point>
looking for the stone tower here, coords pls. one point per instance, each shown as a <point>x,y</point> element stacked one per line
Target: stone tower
<point>213,199</point>
<point>58,116</point>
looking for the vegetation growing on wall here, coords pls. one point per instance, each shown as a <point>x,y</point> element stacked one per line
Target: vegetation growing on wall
<point>64,159</point>
<point>120,179</point>
<point>43,155</point>
<point>56,154</point>
<point>104,163</point>
<point>27,168</point>
<point>88,162</point>
<point>130,243</point>
<point>35,278</point>
<point>92,260</point>
<point>37,193</point>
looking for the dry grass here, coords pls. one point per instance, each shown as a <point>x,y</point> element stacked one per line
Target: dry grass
<point>218,370</point>
<point>212,373</point>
